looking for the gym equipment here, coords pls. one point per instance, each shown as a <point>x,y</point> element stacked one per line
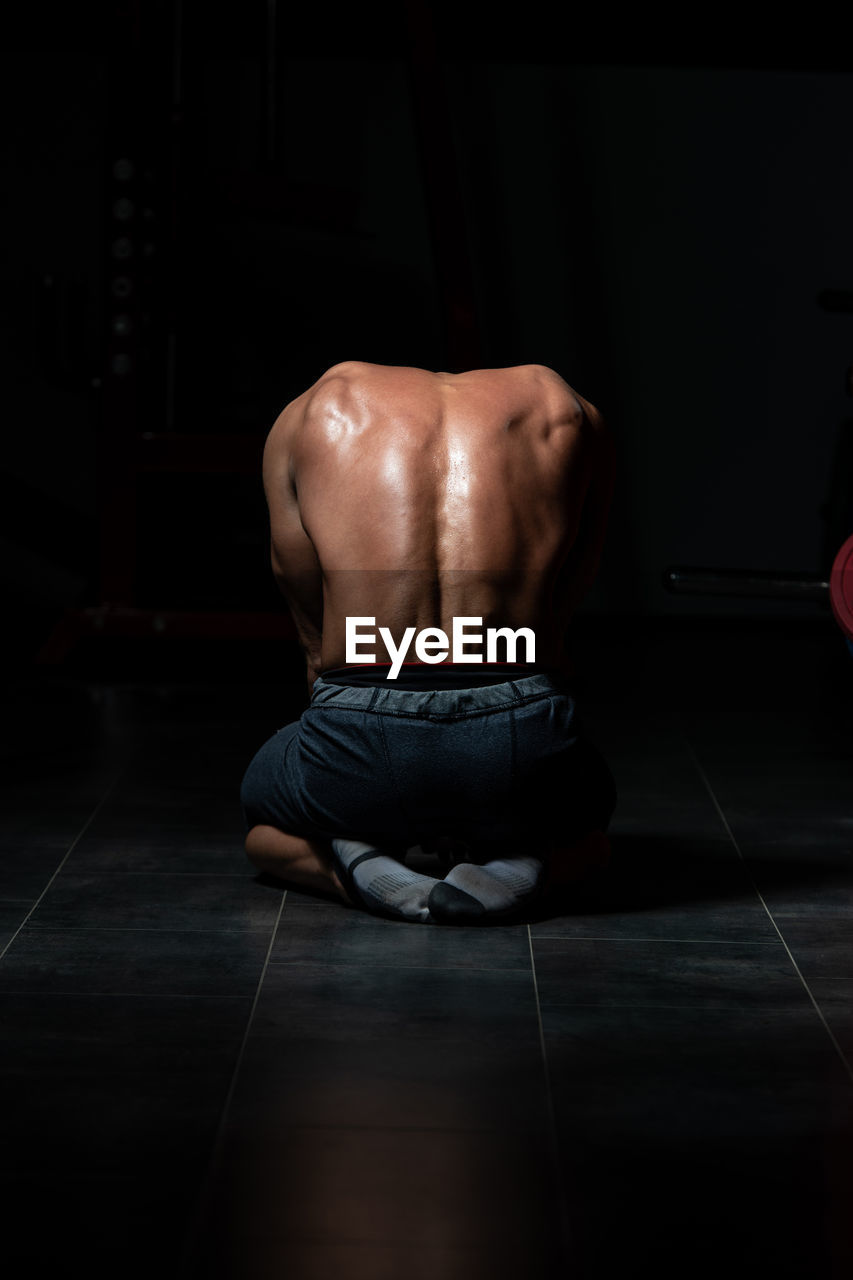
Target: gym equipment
<point>154,65</point>
<point>837,592</point>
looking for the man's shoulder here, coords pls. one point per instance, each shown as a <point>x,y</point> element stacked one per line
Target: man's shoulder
<point>348,372</point>
<point>537,380</point>
<point>328,408</point>
<point>342,383</point>
<point>564,396</point>
<point>542,394</point>
<point>292,417</point>
<point>344,371</point>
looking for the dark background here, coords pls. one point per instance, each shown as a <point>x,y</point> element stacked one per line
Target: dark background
<point>653,210</point>
<point>197,1059</point>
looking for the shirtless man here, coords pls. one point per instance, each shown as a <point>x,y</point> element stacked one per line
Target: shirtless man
<point>413,499</point>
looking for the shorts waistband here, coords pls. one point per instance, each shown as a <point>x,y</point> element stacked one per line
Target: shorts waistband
<point>414,676</point>
<point>435,702</point>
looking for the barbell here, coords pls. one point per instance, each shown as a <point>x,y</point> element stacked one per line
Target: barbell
<point>837,591</point>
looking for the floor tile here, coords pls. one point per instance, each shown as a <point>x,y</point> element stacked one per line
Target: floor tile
<point>175,804</point>
<point>724,1133</point>
<point>821,944</point>
<point>801,800</point>
<point>801,877</point>
<point>135,961</point>
<point>666,888</point>
<point>43,822</point>
<point>341,1003</point>
<point>12,915</point>
<point>159,819</point>
<point>195,853</point>
<point>390,1081</point>
<point>662,1076</point>
<point>26,869</point>
<point>661,794</point>
<point>391,1112</point>
<point>105,1086</point>
<point>666,974</point>
<point>143,900</point>
<point>383,1187</point>
<point>835,1000</point>
<point>337,934</point>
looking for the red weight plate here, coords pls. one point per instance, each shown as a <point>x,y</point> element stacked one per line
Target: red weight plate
<point>841,588</point>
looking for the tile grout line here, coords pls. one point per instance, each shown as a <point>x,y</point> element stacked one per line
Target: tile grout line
<point>836,1046</point>
<point>554,1144</point>
<point>66,856</point>
<point>615,937</point>
<point>191,1242</point>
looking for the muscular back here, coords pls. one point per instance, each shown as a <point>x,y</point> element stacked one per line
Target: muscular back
<point>416,497</point>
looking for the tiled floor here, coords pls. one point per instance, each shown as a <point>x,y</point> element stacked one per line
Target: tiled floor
<point>205,1076</point>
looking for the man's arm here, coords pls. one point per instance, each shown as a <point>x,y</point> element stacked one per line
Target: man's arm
<point>295,564</point>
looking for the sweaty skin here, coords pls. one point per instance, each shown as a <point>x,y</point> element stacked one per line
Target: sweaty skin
<point>416,497</point>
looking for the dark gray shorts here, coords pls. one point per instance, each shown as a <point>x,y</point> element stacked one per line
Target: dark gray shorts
<point>488,765</point>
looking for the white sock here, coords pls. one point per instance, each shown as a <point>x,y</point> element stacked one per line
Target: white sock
<point>500,888</point>
<point>382,884</point>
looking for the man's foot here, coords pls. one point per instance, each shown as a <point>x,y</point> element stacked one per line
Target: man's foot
<point>495,890</point>
<point>294,859</point>
<point>380,883</point>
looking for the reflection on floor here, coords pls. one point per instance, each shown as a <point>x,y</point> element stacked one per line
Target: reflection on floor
<point>208,1076</point>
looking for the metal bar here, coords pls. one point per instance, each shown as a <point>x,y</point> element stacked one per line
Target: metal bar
<point>768,584</point>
